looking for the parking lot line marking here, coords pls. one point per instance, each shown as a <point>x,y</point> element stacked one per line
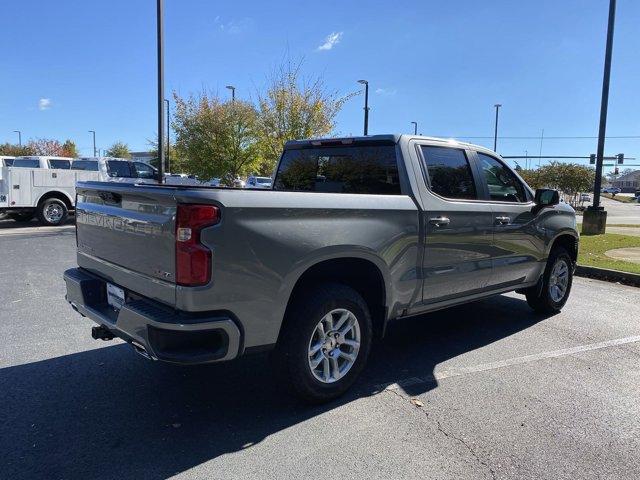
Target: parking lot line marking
<point>483,367</point>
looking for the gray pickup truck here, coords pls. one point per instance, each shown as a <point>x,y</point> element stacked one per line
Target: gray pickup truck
<point>355,232</point>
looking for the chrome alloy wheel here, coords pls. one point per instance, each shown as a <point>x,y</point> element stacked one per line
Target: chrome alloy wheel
<point>559,280</point>
<point>53,213</point>
<point>334,345</point>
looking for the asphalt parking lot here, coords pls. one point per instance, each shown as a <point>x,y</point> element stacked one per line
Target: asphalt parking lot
<point>487,390</point>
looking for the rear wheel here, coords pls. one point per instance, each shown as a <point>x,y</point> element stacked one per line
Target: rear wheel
<point>325,342</point>
<point>21,216</point>
<point>52,212</point>
<point>551,296</point>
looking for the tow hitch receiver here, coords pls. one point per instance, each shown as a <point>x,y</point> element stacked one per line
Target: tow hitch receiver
<point>101,333</point>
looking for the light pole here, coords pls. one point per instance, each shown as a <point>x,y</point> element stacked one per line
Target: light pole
<point>415,127</point>
<point>233,92</point>
<point>526,160</point>
<point>366,105</point>
<point>168,130</point>
<point>599,218</point>
<point>160,48</point>
<point>19,137</point>
<point>94,142</point>
<point>495,131</point>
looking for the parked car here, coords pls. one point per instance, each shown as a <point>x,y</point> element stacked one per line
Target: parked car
<point>611,190</point>
<point>356,232</point>
<point>259,182</point>
<point>585,197</point>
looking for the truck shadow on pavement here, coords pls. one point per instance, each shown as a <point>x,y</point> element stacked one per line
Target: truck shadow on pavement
<point>107,413</point>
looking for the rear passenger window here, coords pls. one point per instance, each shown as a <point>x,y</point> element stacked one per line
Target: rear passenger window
<point>119,168</point>
<point>449,172</point>
<point>503,185</point>
<point>26,163</point>
<point>91,165</point>
<point>357,169</point>
<point>64,164</point>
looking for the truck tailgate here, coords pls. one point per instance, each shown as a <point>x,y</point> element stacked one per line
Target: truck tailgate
<point>128,228</point>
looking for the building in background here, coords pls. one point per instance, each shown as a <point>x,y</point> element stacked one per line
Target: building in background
<point>145,157</point>
<point>628,182</point>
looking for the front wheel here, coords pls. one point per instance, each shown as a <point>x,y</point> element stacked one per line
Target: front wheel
<point>52,212</point>
<point>325,342</point>
<point>556,284</point>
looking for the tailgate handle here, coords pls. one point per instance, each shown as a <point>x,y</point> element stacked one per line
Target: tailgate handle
<point>110,197</point>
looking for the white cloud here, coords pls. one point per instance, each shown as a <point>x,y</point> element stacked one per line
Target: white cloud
<point>233,27</point>
<point>44,104</point>
<point>386,91</point>
<point>332,40</point>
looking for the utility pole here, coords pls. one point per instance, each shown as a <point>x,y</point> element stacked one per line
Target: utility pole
<point>495,131</point>
<point>160,47</point>
<point>19,137</point>
<point>94,142</point>
<point>540,154</point>
<point>366,105</point>
<point>595,217</point>
<point>415,128</point>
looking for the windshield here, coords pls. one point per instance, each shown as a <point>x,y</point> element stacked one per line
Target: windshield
<point>263,180</point>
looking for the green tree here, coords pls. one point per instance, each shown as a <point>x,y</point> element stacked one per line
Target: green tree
<point>569,178</point>
<point>69,149</point>
<point>293,107</point>
<point>118,150</point>
<point>215,139</point>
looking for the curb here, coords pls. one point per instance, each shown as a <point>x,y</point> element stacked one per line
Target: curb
<point>631,279</point>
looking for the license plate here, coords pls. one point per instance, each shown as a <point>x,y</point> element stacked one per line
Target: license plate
<point>115,296</point>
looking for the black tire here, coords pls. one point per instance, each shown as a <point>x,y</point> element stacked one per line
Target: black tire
<point>540,297</point>
<point>292,352</point>
<point>50,205</point>
<point>20,216</point>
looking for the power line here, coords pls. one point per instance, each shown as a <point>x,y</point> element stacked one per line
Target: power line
<point>538,137</point>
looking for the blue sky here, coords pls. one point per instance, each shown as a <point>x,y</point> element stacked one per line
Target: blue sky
<point>73,66</point>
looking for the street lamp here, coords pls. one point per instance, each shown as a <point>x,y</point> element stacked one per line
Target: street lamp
<point>495,132</point>
<point>366,105</point>
<point>168,143</point>
<point>94,142</point>
<point>19,137</point>
<point>415,127</point>
<point>595,216</point>
<point>233,92</point>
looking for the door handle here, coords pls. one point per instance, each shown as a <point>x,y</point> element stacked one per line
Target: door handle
<point>503,220</point>
<point>439,221</point>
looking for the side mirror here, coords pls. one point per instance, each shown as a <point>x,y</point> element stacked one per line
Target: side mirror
<point>545,197</point>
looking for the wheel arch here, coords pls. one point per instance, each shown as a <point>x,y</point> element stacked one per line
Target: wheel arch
<point>366,274</point>
<point>58,194</point>
<point>569,241</point>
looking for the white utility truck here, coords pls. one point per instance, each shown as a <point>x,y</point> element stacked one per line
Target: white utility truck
<point>46,186</point>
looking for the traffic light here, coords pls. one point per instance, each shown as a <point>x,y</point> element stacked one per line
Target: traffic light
<point>620,158</point>
<point>615,171</point>
<point>592,159</point>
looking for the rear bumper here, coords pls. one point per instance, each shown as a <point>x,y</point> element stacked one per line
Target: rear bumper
<point>155,330</point>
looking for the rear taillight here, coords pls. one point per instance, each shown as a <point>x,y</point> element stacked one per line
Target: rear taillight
<point>193,259</point>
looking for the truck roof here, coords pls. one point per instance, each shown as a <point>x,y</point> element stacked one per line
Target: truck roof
<point>390,138</point>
